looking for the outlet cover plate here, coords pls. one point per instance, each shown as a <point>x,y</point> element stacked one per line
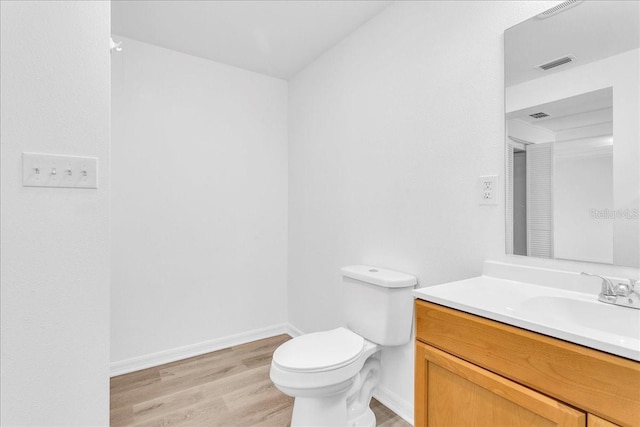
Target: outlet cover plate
<point>488,189</point>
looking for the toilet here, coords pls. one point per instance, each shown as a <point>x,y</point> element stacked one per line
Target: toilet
<point>332,374</point>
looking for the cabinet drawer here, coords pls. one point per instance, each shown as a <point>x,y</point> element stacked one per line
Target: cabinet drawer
<point>605,385</point>
<point>453,392</point>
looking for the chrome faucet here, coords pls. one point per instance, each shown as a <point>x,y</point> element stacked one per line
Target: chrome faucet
<point>627,295</point>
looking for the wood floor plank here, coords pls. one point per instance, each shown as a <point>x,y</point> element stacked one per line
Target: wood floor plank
<point>278,416</point>
<point>386,417</point>
<point>170,382</point>
<point>134,380</point>
<point>252,396</point>
<point>258,360</point>
<point>189,415</point>
<point>203,373</point>
<point>121,417</point>
<point>260,411</point>
<point>167,404</point>
<point>230,387</point>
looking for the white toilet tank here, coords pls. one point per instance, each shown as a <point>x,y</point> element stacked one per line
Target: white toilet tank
<point>378,303</point>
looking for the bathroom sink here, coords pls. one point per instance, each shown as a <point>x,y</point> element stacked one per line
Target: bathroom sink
<point>590,313</point>
<point>573,316</point>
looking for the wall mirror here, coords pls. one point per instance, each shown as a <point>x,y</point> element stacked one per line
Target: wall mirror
<point>572,100</point>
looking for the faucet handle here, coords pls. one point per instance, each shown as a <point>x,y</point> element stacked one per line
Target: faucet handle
<point>625,289</point>
<point>607,285</point>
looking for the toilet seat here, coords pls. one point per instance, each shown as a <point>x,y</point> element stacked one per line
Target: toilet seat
<point>319,351</point>
<point>321,362</point>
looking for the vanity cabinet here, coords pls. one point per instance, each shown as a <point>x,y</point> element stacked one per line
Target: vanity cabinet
<point>458,393</point>
<point>475,371</point>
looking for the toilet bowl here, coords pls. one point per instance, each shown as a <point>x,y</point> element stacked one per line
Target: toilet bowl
<point>332,374</point>
<point>322,370</point>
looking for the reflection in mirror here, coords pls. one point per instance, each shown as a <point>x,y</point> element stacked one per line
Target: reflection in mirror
<point>562,170</point>
<point>573,88</point>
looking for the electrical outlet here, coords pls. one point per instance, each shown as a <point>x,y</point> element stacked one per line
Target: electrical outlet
<point>488,189</point>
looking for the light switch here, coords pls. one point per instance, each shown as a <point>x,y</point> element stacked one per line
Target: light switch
<point>51,170</point>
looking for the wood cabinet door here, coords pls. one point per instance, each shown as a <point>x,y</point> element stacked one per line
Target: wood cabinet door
<point>452,392</point>
<point>595,421</point>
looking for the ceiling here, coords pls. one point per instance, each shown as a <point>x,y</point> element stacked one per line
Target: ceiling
<point>590,30</point>
<point>585,115</point>
<point>277,38</point>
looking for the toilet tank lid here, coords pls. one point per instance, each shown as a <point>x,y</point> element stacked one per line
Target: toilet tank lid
<point>379,276</point>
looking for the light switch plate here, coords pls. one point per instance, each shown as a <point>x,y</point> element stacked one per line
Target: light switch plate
<point>52,170</point>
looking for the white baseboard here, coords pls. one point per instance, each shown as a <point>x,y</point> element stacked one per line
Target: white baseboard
<point>293,331</point>
<point>401,407</point>
<point>171,355</point>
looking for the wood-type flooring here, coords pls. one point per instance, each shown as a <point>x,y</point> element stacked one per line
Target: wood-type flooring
<point>229,387</point>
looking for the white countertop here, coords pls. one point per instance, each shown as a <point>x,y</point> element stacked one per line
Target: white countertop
<point>568,315</point>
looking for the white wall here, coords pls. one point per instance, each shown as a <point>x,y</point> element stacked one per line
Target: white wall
<point>199,206</point>
<point>55,242</point>
<point>388,133</point>
<point>582,182</point>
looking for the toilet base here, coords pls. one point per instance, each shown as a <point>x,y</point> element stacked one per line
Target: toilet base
<point>330,411</point>
<point>368,419</point>
<point>349,407</point>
